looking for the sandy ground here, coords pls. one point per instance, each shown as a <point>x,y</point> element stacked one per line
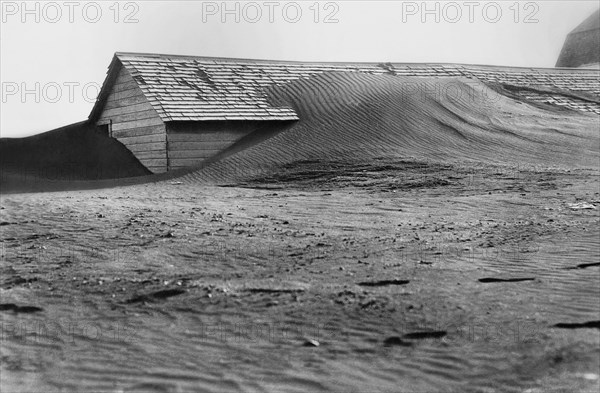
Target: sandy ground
<point>395,275</point>
<point>322,257</point>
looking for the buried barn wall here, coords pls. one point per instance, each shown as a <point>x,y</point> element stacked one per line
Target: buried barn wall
<point>134,122</point>
<point>192,142</point>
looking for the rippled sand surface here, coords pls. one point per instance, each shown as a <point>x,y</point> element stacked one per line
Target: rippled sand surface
<point>454,282</point>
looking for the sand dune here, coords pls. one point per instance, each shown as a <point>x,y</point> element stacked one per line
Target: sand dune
<point>68,154</point>
<point>357,117</point>
<point>347,117</point>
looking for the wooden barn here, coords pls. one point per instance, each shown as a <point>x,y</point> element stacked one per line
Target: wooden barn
<point>178,111</point>
<point>175,111</point>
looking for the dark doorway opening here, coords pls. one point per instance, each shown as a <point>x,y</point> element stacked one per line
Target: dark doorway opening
<point>104,129</point>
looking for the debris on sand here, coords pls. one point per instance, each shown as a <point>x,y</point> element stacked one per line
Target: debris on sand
<point>492,279</point>
<point>580,206</point>
<point>311,343</point>
<point>583,266</point>
<point>396,341</point>
<point>19,309</point>
<point>584,325</point>
<point>383,283</point>
<point>424,335</point>
<point>402,341</point>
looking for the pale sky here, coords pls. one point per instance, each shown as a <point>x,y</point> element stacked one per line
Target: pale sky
<point>54,55</point>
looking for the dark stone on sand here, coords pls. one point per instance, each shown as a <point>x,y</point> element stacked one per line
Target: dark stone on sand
<point>19,309</point>
<point>584,325</point>
<point>396,341</point>
<point>584,266</point>
<point>424,335</point>
<point>492,279</point>
<point>383,283</point>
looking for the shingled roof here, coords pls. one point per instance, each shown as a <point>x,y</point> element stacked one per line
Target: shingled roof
<point>187,88</point>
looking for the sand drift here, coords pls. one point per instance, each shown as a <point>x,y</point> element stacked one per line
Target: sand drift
<point>343,116</point>
<point>357,117</point>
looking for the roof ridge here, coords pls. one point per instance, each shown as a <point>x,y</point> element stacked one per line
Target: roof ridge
<point>349,63</point>
<point>203,88</point>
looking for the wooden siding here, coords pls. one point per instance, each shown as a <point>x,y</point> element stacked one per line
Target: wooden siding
<point>190,143</point>
<point>135,123</point>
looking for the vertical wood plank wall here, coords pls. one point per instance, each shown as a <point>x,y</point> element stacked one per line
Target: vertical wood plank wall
<point>135,123</point>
